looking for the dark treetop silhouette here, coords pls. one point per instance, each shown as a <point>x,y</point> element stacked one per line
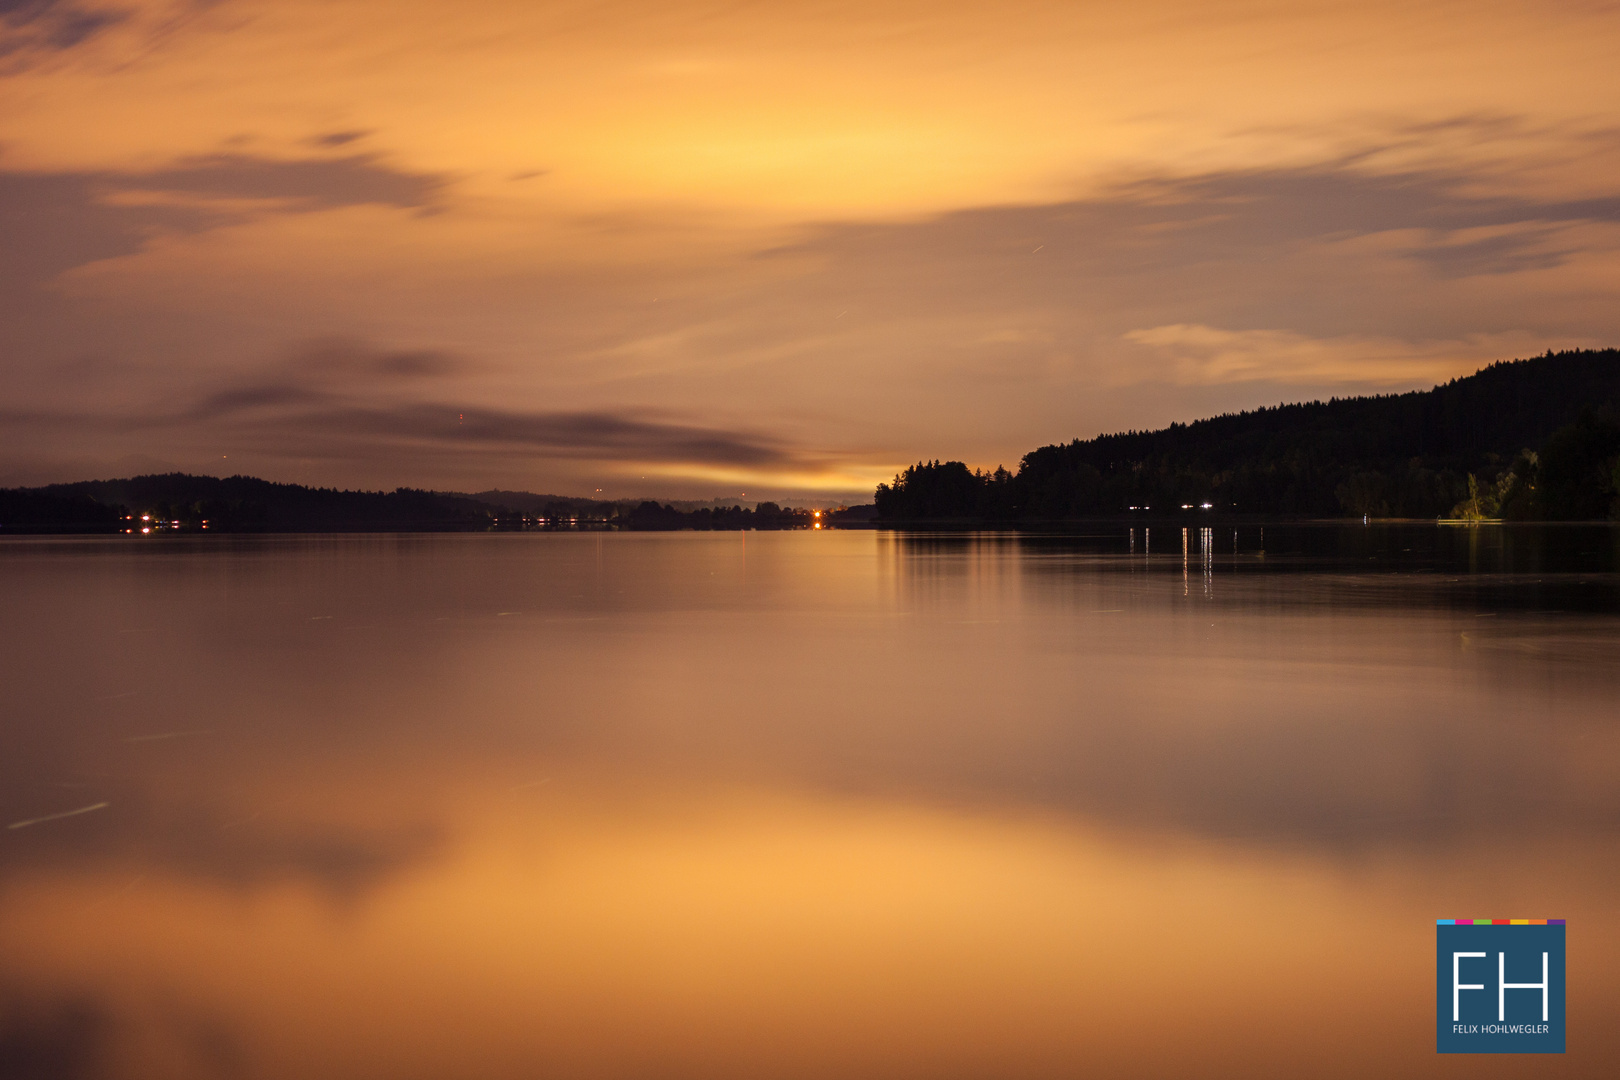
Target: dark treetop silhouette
<point>1534,439</point>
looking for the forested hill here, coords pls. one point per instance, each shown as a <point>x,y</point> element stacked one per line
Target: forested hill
<point>179,502</point>
<point>232,504</point>
<point>1533,439</point>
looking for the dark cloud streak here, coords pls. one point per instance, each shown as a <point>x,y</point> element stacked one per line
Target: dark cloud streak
<point>33,28</point>
<point>337,391</point>
<point>1231,216</point>
<point>289,419</point>
<point>338,138</point>
<point>53,222</point>
<point>1325,251</point>
<point>620,436</point>
<point>304,184</point>
<point>339,357</point>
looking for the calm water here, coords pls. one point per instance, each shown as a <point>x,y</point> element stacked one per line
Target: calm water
<point>797,805</point>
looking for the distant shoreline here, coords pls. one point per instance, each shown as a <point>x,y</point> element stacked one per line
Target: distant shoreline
<point>954,526</point>
<point>1523,440</point>
<point>172,503</point>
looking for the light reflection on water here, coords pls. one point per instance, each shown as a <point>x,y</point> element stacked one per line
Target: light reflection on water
<point>795,804</point>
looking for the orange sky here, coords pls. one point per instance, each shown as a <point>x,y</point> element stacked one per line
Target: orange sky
<point>705,249</point>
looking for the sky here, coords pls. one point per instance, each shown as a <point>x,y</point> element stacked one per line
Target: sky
<point>696,249</point>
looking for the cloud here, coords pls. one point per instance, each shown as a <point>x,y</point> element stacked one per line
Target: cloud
<point>284,415</point>
<point>29,28</point>
<point>336,357</point>
<point>1304,278</point>
<point>299,421</point>
<point>336,395</point>
<point>341,401</point>
<point>299,184</point>
<point>1241,218</point>
<point>338,138</point>
<point>1197,354</point>
<point>53,222</point>
<point>599,435</point>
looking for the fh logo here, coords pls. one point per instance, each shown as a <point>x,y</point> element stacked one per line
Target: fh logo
<point>1500,986</point>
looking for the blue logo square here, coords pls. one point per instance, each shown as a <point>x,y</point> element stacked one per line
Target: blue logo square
<point>1499,986</point>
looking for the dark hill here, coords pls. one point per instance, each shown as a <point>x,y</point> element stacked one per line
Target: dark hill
<point>1531,438</point>
<point>234,504</point>
<point>181,502</point>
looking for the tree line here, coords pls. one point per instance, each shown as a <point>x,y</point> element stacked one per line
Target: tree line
<point>1535,439</point>
<point>650,516</point>
<point>185,503</point>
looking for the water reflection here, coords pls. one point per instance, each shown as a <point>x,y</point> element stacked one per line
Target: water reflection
<point>793,804</point>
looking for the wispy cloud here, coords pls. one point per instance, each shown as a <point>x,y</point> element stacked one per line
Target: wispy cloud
<point>294,416</point>
<point>29,28</point>
<point>1157,224</point>
<point>1206,355</point>
<point>53,221</point>
<point>307,184</point>
<point>340,401</point>
<point>338,138</point>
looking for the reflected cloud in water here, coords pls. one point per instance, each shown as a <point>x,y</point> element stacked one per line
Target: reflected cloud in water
<point>791,804</point>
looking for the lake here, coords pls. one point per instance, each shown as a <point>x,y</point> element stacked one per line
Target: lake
<point>855,804</point>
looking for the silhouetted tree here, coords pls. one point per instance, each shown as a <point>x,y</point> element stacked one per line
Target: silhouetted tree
<point>1577,480</point>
